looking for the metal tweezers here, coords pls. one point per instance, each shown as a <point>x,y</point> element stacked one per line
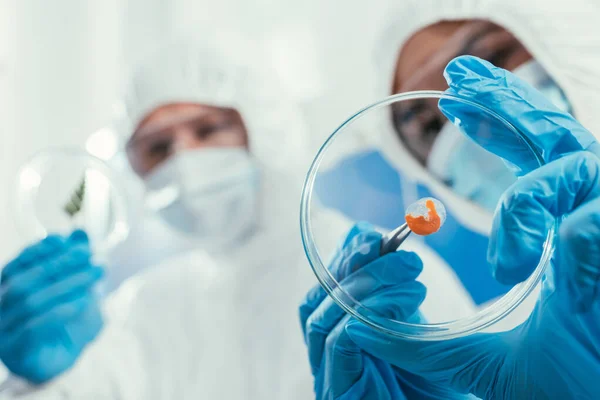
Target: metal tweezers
<point>392,241</point>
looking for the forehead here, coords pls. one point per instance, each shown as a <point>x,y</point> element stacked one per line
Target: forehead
<point>170,115</point>
<point>422,45</point>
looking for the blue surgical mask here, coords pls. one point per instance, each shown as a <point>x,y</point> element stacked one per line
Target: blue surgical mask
<point>534,74</point>
<point>471,171</point>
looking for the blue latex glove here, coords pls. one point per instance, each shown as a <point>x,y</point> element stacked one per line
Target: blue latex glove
<point>387,286</point>
<point>48,310</point>
<point>555,354</point>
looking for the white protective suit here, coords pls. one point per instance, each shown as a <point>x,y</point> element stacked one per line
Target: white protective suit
<point>214,322</point>
<point>562,38</point>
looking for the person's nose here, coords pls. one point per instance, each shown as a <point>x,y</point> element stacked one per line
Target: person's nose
<point>186,139</point>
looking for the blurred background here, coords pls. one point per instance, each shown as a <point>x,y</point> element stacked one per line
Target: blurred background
<point>63,63</point>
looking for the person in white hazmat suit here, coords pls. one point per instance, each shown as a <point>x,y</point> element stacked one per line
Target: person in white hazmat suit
<point>540,45</point>
<point>549,46</point>
<point>222,165</point>
<point>432,158</point>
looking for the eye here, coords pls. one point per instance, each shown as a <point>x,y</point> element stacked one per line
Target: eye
<point>406,114</point>
<point>206,130</point>
<point>433,127</point>
<point>160,149</point>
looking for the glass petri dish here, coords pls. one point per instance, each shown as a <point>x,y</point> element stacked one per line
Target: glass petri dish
<point>60,190</point>
<point>466,163</point>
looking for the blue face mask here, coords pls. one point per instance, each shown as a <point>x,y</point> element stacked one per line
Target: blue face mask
<point>472,172</point>
<point>534,74</point>
<point>478,175</point>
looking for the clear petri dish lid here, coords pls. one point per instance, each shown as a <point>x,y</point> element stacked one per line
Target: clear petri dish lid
<point>60,190</point>
<point>463,166</point>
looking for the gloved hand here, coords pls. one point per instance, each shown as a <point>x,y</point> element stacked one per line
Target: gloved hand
<point>48,311</point>
<point>387,286</point>
<point>555,354</point>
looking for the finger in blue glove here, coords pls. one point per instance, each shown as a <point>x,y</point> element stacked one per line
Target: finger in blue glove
<point>48,308</point>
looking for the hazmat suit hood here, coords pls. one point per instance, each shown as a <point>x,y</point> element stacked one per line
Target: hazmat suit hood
<point>221,73</point>
<point>559,37</point>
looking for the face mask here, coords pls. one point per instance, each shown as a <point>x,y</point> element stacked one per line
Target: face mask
<point>208,193</point>
<point>471,171</point>
<point>534,74</point>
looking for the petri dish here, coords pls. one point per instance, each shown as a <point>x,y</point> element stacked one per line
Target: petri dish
<point>60,190</point>
<point>466,162</point>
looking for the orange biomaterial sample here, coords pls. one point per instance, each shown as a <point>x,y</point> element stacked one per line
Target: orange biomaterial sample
<point>425,224</point>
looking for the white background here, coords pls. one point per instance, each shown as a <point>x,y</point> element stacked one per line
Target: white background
<point>62,64</point>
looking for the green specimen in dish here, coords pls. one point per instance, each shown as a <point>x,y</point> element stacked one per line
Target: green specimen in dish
<point>76,202</point>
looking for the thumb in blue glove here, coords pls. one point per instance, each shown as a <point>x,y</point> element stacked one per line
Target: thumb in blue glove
<point>386,286</point>
<point>48,311</point>
<point>556,353</point>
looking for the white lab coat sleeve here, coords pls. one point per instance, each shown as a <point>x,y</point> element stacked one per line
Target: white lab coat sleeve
<point>159,342</point>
